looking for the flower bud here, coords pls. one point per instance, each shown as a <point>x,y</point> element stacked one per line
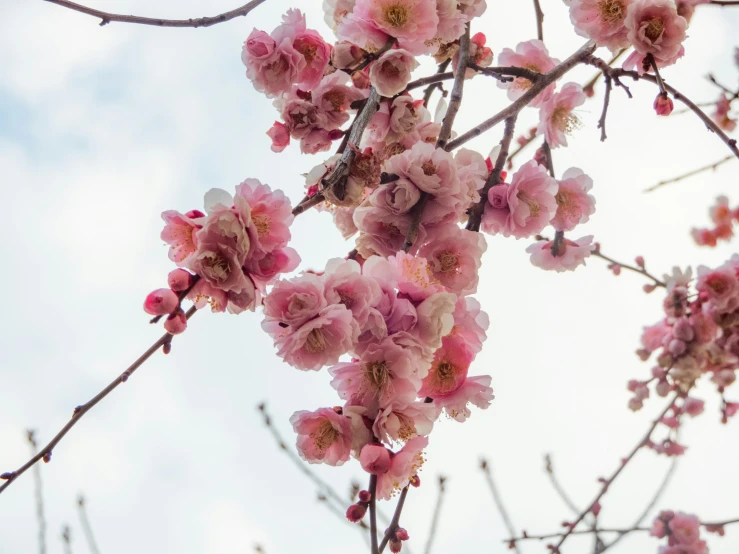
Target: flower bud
<point>356,512</point>
<point>179,280</point>
<point>401,534</point>
<point>364,496</point>
<point>683,330</point>
<point>395,546</point>
<point>176,323</point>
<point>161,302</point>
<point>663,104</point>
<point>677,347</point>
<point>375,459</point>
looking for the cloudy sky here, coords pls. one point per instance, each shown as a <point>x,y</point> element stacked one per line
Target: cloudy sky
<point>101,129</point>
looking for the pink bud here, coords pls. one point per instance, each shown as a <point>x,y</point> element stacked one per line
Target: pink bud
<point>677,347</point>
<point>176,323</point>
<point>375,459</point>
<point>356,512</point>
<point>693,406</point>
<point>635,404</point>
<point>194,214</point>
<point>663,104</point>
<point>364,496</point>
<point>589,92</point>
<point>415,481</point>
<point>395,546</point>
<point>649,288</point>
<point>683,330</point>
<point>179,280</point>
<point>595,509</point>
<point>401,534</point>
<point>663,388</point>
<point>161,302</point>
<point>640,261</point>
<point>280,135</point>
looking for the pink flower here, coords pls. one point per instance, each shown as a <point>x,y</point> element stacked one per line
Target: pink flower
<point>179,280</point>
<point>574,204</point>
<point>161,302</point>
<point>265,270</point>
<point>402,423</point>
<point>344,284</point>
<point>295,301</point>
<point>531,55</point>
<point>176,322</point>
<point>346,55</point>
<point>180,233</point>
<point>362,32</point>
<point>720,286</point>
<point>272,67</point>
<point>556,117</point>
<point>218,260</point>
<point>319,341</point>
<point>721,115</point>
<point>271,216</point>
<point>323,436</point>
<point>527,205</point>
<point>431,169</point>
<point>412,20</point>
<point>653,336</point>
<point>405,464</point>
<point>435,319</point>
<point>316,53</point>
<point>448,370</point>
<point>375,459</point>
<point>685,528</point>
<point>454,257</point>
<point>602,21</point>
<point>470,324</point>
<point>383,375</point>
<point>474,390</point>
<point>451,23</point>
<point>416,277</point>
<point>397,197</point>
<point>333,97</point>
<point>335,10</point>
<point>663,104</point>
<point>280,135</point>
<point>654,27</point>
<point>382,232</point>
<point>392,72</point>
<point>571,254</point>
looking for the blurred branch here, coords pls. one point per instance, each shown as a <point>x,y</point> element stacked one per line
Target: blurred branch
<point>499,504</point>
<point>67,539</point>
<point>164,342</point>
<point>106,17</point>
<point>31,436</point>
<point>86,528</point>
<point>712,166</point>
<point>435,517</point>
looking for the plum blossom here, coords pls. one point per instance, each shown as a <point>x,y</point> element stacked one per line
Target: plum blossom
<point>574,204</point>
<point>556,117</point>
<point>404,422</point>
<point>411,20</point>
<point>180,233</point>
<point>601,20</point>
<point>570,255</point>
<point>344,284</point>
<point>404,466</point>
<point>392,72</point>
<point>271,216</point>
<point>524,207</point>
<point>431,169</point>
<point>454,258</point>
<point>295,301</point>
<point>271,67</point>
<point>654,27</point>
<point>532,55</point>
<point>324,436</point>
<point>721,115</point>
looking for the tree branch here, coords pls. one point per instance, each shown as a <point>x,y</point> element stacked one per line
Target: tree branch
<point>712,166</point>
<point>499,503</point>
<point>373,512</point>
<point>396,519</point>
<point>106,17</point>
<point>79,411</point>
<point>86,527</point>
<point>539,20</point>
<point>435,517</point>
<point>31,436</point>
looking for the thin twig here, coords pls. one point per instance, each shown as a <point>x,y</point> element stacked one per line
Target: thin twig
<point>591,84</point>
<point>712,166</point>
<point>476,211</point>
<point>639,270</point>
<point>430,80</point>
<point>373,512</point>
<point>539,20</point>
<point>79,411</point>
<point>86,527</point>
<point>67,539</point>
<point>514,108</point>
<point>394,523</point>
<point>31,436</point>
<point>441,70</point>
<point>106,17</point>
<point>435,517</point>
<point>485,466</point>
<point>608,482</point>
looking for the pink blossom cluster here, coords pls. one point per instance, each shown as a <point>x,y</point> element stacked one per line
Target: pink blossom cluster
<point>721,115</point>
<point>682,532</point>
<point>699,335</point>
<point>409,340</point>
<point>723,218</point>
<point>654,28</point>
<point>232,251</point>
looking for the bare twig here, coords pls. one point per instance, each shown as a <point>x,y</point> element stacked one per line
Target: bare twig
<point>539,20</point>
<point>106,17</point>
<point>373,512</point>
<point>499,503</point>
<point>591,84</point>
<point>86,526</point>
<point>435,517</point>
<point>67,539</point>
<point>513,109</point>
<point>430,80</point>
<point>31,436</point>
<point>395,522</point>
<point>639,270</point>
<point>476,211</point>
<point>712,166</point>
<point>79,411</point>
<point>441,70</point>
<point>606,483</point>
<point>508,71</point>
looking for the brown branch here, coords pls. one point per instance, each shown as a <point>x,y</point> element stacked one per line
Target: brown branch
<point>639,270</point>
<point>514,108</point>
<point>373,512</point>
<point>507,71</point>
<point>499,503</point>
<point>308,203</point>
<point>446,131</point>
<point>31,436</point>
<point>394,523</point>
<point>106,17</point>
<point>430,89</point>
<point>724,2</point>
<point>712,166</point>
<point>539,20</point>
<point>476,211</point>
<point>79,411</point>
<point>591,84</point>
<point>67,539</point>
<point>435,516</point>
<point>430,80</point>
<point>86,526</point>
<point>608,482</point>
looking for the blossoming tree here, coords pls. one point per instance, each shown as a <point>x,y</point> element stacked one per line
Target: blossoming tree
<point>394,321</point>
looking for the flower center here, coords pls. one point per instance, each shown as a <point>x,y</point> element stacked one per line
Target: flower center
<point>428,168</point>
<point>377,373</point>
<point>218,266</point>
<point>307,49</point>
<point>406,429</point>
<point>336,98</point>
<point>261,222</point>
<point>448,262</point>
<point>325,435</point>
<point>534,206</point>
<point>654,28</point>
<point>564,120</point>
<point>611,11</point>
<point>396,15</point>
<point>346,299</point>
<point>315,341</point>
<point>446,373</point>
